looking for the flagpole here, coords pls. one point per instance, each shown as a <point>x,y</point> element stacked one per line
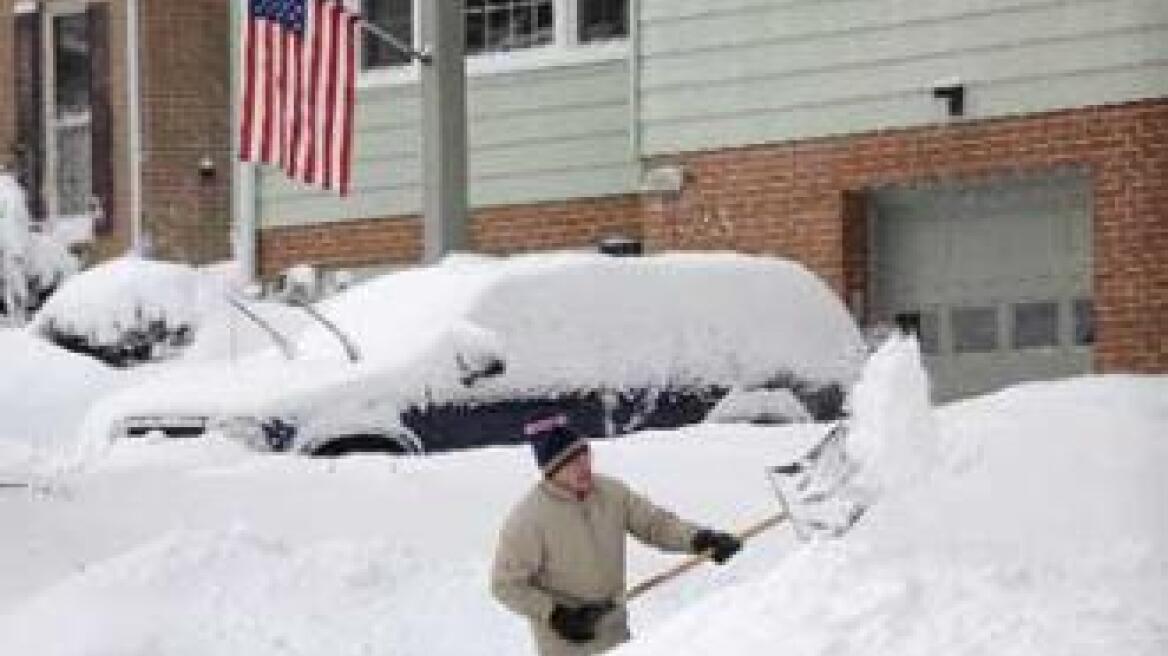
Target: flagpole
<point>444,144</point>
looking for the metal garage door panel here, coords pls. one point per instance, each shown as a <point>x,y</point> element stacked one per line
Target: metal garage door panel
<point>991,273</point>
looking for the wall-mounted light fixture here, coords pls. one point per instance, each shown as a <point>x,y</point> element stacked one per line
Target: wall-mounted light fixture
<point>206,167</point>
<point>953,92</point>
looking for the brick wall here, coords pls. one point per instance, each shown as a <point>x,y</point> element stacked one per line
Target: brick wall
<point>805,200</point>
<point>186,99</point>
<point>798,200</point>
<point>499,230</point>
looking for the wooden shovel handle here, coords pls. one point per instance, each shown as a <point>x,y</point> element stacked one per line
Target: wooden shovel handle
<point>697,559</point>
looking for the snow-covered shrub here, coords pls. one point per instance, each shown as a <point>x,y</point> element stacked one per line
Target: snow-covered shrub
<point>32,265</point>
<point>126,311</point>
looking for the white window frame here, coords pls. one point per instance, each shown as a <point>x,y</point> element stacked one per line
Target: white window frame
<point>51,123</point>
<point>566,50</point>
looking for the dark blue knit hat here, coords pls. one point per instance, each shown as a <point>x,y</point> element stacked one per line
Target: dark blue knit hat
<point>553,441</point>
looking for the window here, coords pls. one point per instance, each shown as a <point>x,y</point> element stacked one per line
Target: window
<point>600,20</point>
<point>1036,325</point>
<point>69,118</point>
<point>975,329</point>
<point>500,26</point>
<point>923,325</point>
<point>395,17</point>
<point>1084,317</point>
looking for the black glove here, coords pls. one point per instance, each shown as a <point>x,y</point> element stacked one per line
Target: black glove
<point>722,545</point>
<point>577,624</point>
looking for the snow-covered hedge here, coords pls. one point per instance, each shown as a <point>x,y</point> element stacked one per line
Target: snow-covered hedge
<point>32,264</point>
<point>126,311</point>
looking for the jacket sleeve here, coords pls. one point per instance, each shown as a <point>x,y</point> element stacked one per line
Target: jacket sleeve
<point>518,559</point>
<point>656,526</point>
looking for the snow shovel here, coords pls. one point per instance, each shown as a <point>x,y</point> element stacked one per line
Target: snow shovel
<point>817,494</point>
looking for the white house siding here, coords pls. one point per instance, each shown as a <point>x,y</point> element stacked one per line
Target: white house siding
<point>546,134</point>
<point>737,72</point>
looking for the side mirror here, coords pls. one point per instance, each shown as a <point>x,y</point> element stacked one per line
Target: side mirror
<point>477,353</point>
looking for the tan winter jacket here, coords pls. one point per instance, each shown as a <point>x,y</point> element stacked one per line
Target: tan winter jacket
<point>554,549</point>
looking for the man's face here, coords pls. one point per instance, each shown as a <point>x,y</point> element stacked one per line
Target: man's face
<point>575,475</point>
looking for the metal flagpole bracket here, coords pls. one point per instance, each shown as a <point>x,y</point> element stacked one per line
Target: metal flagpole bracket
<point>392,41</point>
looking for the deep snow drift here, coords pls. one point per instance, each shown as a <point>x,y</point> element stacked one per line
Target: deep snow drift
<point>1034,522</point>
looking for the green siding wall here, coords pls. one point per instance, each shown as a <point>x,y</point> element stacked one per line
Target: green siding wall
<point>546,134</point>
<point>781,70</point>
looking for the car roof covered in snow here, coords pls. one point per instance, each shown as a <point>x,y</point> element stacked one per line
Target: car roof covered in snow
<point>570,319</point>
<point>561,321</point>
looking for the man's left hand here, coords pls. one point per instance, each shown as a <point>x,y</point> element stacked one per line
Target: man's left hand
<point>720,545</point>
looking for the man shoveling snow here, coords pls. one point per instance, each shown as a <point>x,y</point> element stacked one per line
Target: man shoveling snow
<point>560,559</point>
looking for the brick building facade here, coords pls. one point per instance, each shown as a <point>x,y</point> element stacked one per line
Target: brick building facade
<point>184,71</point>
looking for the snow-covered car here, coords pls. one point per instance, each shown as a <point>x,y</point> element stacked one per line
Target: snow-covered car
<point>458,354</point>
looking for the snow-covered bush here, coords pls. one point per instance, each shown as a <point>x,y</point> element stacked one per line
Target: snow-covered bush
<point>32,265</point>
<point>126,311</point>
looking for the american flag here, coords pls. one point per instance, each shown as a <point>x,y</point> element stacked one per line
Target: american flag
<point>299,68</point>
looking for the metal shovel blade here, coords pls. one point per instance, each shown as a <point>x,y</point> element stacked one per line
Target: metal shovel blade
<point>819,491</point>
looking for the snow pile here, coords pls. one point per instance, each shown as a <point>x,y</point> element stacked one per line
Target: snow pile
<point>44,394</point>
<point>893,430</point>
<point>1042,530</point>
<point>237,592</point>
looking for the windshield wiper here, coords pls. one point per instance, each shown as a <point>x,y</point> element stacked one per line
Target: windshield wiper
<point>286,346</point>
<point>347,343</point>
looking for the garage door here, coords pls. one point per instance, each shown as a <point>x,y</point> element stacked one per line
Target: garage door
<point>995,278</point>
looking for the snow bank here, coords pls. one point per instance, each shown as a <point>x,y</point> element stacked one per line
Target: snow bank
<point>1043,530</point>
<point>893,429</point>
<point>45,391</point>
<point>233,591</point>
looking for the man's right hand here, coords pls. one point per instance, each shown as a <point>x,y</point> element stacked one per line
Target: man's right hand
<point>577,624</point>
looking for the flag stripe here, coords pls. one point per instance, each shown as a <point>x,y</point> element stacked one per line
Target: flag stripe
<point>346,110</point>
<point>333,27</point>
<point>247,117</point>
<point>299,77</point>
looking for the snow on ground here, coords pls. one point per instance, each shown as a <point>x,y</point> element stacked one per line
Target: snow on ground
<point>1036,525</point>
<point>44,395</point>
<point>1041,528</point>
<point>198,548</point>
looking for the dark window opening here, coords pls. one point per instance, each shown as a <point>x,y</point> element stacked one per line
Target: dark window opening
<point>601,20</point>
<point>395,17</point>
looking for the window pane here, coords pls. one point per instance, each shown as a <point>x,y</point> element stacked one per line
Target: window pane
<point>502,25</point>
<point>923,325</point>
<point>74,169</point>
<point>975,330</point>
<point>395,17</point>
<point>599,20</point>
<point>1036,325</point>
<point>71,64</point>
<point>1084,314</point>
